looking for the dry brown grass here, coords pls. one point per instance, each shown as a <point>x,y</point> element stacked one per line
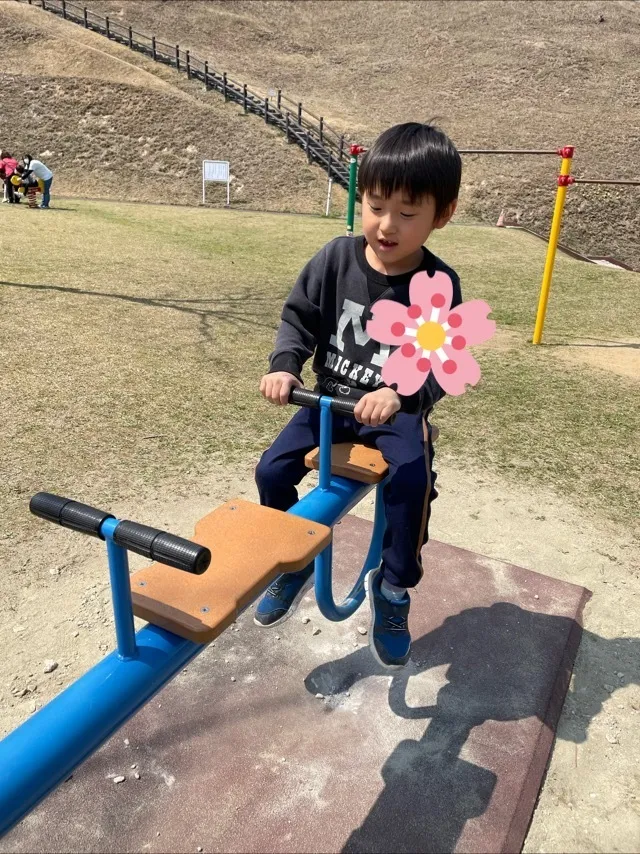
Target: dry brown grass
<point>501,74</point>
<point>134,339</point>
<point>114,125</point>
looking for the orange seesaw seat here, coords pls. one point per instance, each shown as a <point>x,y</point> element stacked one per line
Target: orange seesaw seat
<point>250,545</point>
<point>350,459</point>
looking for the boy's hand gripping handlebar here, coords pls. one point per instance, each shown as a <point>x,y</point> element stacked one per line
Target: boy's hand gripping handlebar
<point>342,405</point>
<point>311,399</point>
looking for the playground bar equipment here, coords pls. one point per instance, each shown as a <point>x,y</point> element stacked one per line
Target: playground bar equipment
<point>354,151</point>
<point>507,151</point>
<point>44,751</point>
<point>564,180</point>
<point>573,180</point>
<point>565,167</point>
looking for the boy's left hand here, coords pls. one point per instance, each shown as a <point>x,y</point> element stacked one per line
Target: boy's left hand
<point>377,407</point>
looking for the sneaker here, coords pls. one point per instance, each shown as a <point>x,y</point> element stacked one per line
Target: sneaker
<point>389,638</point>
<point>282,597</point>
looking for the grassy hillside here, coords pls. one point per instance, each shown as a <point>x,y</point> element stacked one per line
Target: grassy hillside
<point>115,125</point>
<point>501,74</point>
<point>498,74</point>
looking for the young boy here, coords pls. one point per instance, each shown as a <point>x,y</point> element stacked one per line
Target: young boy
<point>409,182</point>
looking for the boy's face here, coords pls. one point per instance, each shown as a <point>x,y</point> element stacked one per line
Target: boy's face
<point>395,229</point>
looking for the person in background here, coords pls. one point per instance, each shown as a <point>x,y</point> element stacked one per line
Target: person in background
<point>44,176</point>
<point>8,165</point>
<point>27,184</point>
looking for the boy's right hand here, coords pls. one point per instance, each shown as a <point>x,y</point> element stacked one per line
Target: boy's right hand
<point>277,387</point>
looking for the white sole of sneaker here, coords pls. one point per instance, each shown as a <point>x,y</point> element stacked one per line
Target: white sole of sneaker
<point>374,652</point>
<point>294,605</point>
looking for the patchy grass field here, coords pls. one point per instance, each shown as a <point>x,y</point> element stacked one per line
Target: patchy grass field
<point>134,338</point>
<point>132,342</point>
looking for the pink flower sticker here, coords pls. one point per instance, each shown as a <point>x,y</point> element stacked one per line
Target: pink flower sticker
<point>430,336</point>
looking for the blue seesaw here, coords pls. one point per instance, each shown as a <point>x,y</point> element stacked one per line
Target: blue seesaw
<point>242,547</point>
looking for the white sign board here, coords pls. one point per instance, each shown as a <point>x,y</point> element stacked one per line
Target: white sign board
<point>218,171</point>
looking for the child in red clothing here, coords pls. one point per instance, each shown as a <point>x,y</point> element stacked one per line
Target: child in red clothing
<point>9,165</point>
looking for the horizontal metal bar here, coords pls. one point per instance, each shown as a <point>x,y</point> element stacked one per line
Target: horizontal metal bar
<point>599,181</point>
<point>506,151</point>
<point>328,506</point>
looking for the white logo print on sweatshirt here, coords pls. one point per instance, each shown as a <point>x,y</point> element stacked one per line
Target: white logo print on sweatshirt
<point>351,315</point>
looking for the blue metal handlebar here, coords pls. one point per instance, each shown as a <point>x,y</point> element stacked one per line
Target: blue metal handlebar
<point>323,562</point>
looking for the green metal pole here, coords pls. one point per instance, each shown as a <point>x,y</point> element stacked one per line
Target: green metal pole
<point>354,151</point>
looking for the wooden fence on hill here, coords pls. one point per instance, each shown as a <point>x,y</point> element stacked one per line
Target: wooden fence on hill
<point>322,144</point>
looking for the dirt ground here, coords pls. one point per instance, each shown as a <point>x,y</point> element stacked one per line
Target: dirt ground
<point>589,801</point>
<point>621,357</point>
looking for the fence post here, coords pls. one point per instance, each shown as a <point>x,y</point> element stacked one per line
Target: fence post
<point>177,57</point>
<point>131,38</point>
<point>64,9</point>
<point>308,147</point>
<point>328,206</point>
<point>188,62</point>
<point>206,74</point>
<point>153,48</point>
<point>106,27</point>
<point>266,110</point>
<point>244,97</point>
<point>321,129</point>
<point>354,151</point>
<point>300,113</point>
<point>287,126</point>
<point>224,84</point>
<point>86,20</point>
<point>341,146</point>
<point>279,102</point>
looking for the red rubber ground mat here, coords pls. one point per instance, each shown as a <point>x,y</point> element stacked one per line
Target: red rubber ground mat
<point>240,753</point>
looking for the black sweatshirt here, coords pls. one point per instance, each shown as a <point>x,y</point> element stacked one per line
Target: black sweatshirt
<point>326,315</point>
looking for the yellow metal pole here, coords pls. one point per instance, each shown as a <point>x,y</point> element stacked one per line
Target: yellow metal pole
<point>563,182</point>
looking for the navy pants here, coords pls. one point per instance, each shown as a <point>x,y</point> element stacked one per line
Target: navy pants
<point>407,448</point>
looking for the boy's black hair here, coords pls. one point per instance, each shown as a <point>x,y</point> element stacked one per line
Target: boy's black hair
<point>417,159</point>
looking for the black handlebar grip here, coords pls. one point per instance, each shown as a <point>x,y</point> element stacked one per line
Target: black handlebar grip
<point>305,397</point>
<point>68,513</point>
<point>163,547</point>
<point>311,399</point>
<point>343,405</point>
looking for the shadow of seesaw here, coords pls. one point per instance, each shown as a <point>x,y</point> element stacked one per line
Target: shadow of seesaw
<point>497,670</point>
